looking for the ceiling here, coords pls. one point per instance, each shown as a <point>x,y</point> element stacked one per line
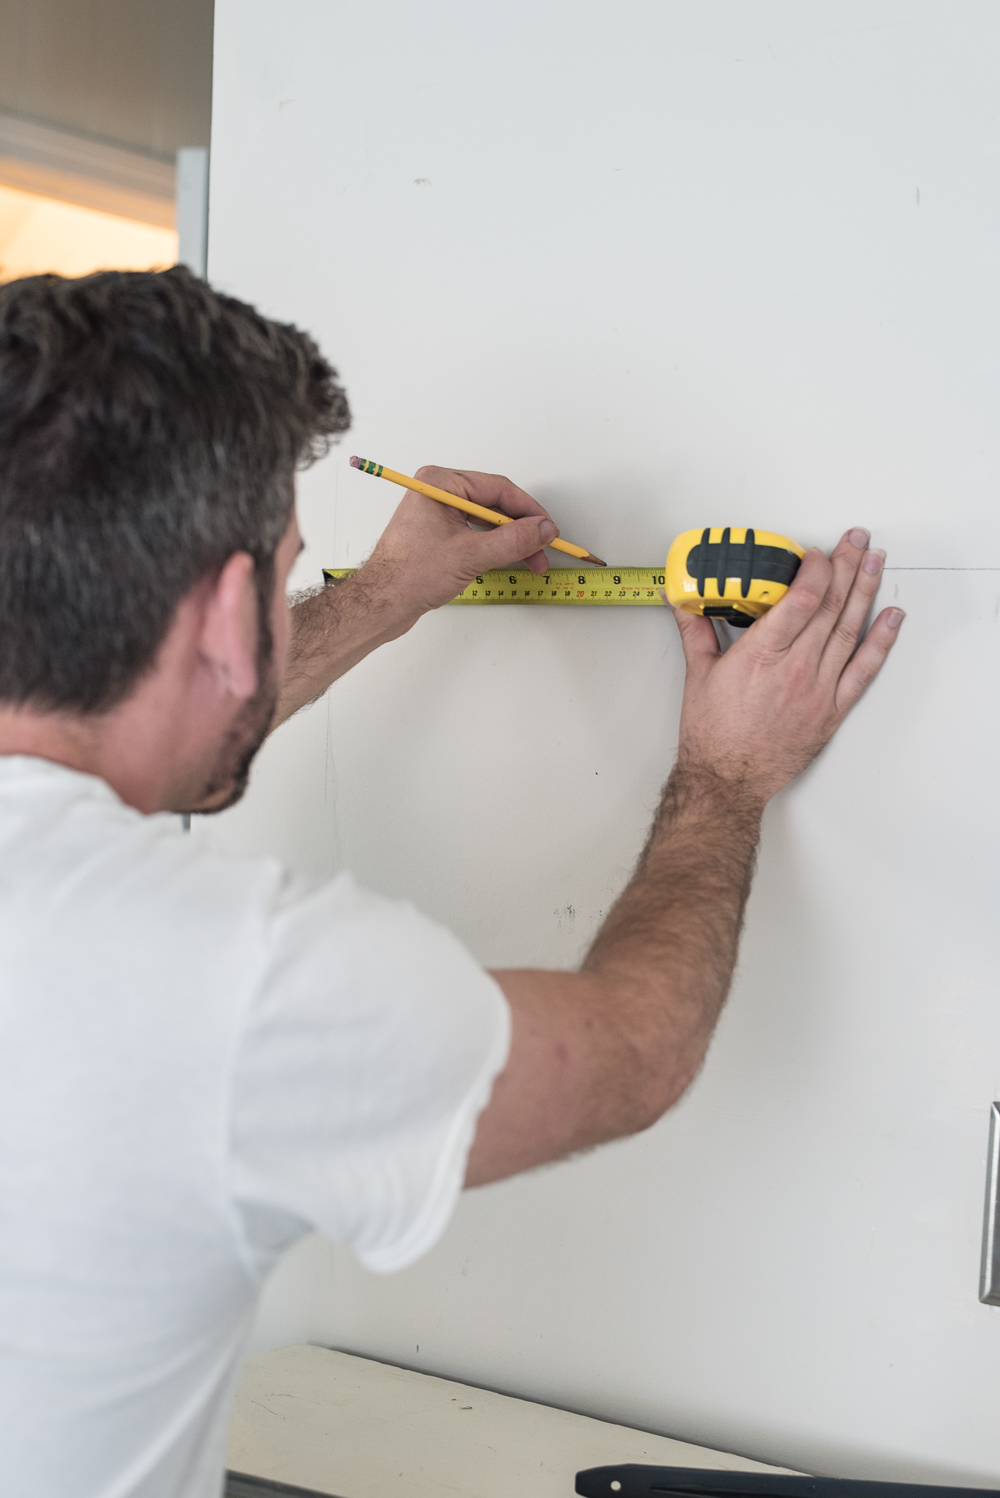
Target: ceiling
<point>134,73</point>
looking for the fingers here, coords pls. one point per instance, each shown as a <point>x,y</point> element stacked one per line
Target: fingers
<point>784,624</point>
<point>862,670</point>
<point>843,639</point>
<point>538,562</point>
<point>845,561</point>
<point>698,639</point>
<point>520,542</point>
<point>489,489</point>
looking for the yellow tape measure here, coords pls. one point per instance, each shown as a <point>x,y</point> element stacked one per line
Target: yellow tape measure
<point>732,574</point>
<point>721,572</point>
<point>615,586</point>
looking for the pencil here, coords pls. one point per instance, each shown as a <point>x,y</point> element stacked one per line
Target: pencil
<point>458,503</point>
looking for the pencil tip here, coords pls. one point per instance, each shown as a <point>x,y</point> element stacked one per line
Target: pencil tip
<point>357,462</point>
<point>596,560</point>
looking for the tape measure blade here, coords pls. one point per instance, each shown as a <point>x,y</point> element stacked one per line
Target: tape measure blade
<point>614,587</point>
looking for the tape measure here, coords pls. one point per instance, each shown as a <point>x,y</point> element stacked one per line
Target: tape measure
<point>729,573</point>
<point>615,586</point>
<point>724,573</point>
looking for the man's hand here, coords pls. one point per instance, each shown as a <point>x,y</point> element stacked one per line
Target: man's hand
<point>425,557</point>
<point>604,1052</point>
<point>759,714</point>
<point>433,552</point>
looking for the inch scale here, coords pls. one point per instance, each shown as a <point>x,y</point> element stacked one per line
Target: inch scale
<point>604,586</point>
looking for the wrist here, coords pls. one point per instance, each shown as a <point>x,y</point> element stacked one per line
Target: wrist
<point>376,594</point>
<point>697,781</point>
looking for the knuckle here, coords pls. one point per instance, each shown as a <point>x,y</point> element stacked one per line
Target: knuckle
<point>800,685</point>
<point>832,602</point>
<point>807,594</point>
<point>864,589</point>
<point>760,655</point>
<point>845,634</point>
<point>866,671</point>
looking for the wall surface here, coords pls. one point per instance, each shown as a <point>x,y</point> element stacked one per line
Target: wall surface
<point>667,263</point>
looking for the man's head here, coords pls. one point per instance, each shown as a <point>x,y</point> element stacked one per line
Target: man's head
<point>150,429</point>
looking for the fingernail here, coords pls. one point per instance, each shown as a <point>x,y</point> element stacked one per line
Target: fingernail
<point>859,538</point>
<point>548,531</point>
<point>894,618</point>
<point>873,561</point>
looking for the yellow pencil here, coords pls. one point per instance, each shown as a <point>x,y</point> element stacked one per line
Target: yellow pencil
<point>458,503</point>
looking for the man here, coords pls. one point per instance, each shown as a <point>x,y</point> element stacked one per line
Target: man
<point>202,1058</point>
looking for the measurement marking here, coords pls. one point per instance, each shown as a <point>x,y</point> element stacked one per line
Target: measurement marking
<point>564,586</point>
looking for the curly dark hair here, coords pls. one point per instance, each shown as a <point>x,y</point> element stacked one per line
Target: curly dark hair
<point>150,427</point>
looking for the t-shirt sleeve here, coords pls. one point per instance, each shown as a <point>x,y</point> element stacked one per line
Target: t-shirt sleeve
<point>370,1049</point>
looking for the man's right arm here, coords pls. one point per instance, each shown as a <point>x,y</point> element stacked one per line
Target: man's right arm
<point>602,1053</point>
<point>427,554</point>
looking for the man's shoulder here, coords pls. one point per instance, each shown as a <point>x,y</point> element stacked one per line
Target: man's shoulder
<point>122,898</point>
<point>72,851</point>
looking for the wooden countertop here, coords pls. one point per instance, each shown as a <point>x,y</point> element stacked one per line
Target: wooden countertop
<point>338,1424</point>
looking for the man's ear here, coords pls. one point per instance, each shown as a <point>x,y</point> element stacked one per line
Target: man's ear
<point>230,627</point>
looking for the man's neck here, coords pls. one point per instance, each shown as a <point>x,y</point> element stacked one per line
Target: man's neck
<point>64,740</point>
<point>78,742</point>
<point>137,747</point>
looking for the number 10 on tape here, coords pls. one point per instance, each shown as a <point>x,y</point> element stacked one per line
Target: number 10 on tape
<point>608,586</point>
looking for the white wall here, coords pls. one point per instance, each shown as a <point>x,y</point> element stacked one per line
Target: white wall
<point>667,262</point>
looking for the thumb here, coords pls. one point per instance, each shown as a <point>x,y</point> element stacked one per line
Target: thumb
<point>512,543</point>
<point>698,639</point>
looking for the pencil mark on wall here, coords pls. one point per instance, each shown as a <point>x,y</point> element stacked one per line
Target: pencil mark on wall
<point>422,182</point>
<point>857,30</point>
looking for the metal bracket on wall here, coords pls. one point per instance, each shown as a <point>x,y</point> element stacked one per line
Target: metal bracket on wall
<point>989,1281</point>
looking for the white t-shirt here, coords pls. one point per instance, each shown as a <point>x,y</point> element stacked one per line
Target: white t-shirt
<point>201,1058</point>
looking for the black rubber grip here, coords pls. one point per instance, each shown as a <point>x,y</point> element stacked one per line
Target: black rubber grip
<point>722,565</point>
<point>743,559</point>
<point>702,551</point>
<point>746,576</point>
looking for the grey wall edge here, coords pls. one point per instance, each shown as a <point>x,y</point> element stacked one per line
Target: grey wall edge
<point>989,1279</point>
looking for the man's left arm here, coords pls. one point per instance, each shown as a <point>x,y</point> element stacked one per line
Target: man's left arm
<point>425,557</point>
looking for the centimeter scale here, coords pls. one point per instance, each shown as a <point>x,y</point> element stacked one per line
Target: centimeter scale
<point>617,586</point>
